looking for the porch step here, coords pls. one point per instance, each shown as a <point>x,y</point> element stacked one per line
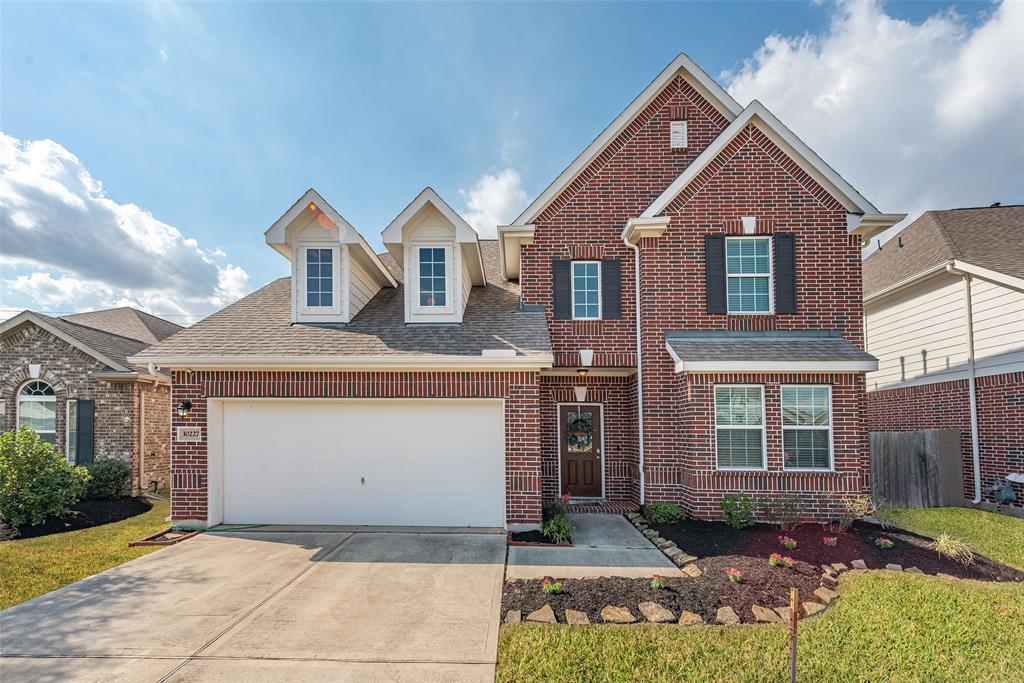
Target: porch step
<point>616,507</point>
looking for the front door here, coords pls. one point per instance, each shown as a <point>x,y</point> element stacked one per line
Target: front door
<point>580,449</point>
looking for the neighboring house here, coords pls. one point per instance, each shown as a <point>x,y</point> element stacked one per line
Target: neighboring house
<point>944,314</point>
<point>69,378</point>
<point>500,374</point>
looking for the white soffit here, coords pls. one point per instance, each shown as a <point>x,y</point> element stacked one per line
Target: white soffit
<point>803,155</point>
<point>511,240</point>
<point>681,65</point>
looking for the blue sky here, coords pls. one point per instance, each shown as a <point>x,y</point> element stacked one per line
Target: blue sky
<point>210,119</point>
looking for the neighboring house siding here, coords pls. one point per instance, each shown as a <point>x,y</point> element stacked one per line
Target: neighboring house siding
<point>920,334</point>
<point>68,370</point>
<point>585,221</point>
<point>518,389</point>
<point>946,405</point>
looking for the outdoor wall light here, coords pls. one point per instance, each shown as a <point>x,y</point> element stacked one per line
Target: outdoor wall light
<point>184,408</point>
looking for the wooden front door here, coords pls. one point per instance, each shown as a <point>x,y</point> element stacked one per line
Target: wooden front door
<point>580,449</point>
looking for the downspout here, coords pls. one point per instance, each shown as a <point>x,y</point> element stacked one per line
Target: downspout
<point>971,384</point>
<point>639,367</point>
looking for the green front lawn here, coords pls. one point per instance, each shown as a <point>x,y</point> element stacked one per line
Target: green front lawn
<point>36,566</point>
<point>997,537</point>
<point>886,626</point>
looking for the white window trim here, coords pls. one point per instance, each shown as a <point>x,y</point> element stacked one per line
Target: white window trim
<point>71,458</point>
<point>335,308</point>
<point>764,428</point>
<point>18,398</point>
<point>449,265</point>
<point>831,456</point>
<point>771,274</point>
<point>600,294</point>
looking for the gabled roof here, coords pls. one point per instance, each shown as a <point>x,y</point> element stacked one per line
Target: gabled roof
<point>126,322</point>
<point>681,65</point>
<point>257,332</point>
<point>757,114</point>
<point>990,238</point>
<point>465,234</point>
<point>276,238</point>
<point>110,349</point>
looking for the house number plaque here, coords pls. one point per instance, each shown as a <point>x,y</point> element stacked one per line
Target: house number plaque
<point>190,434</point>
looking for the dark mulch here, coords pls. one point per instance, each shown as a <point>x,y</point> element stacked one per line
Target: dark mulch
<point>534,537</point>
<point>717,540</point>
<point>84,514</point>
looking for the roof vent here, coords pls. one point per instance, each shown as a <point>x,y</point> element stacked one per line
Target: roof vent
<point>677,134</point>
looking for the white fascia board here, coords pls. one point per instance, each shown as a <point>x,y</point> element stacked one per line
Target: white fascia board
<point>776,366</point>
<point>380,363</point>
<point>131,377</point>
<point>638,228</point>
<point>275,235</point>
<point>869,225</point>
<point>785,138</point>
<point>511,239</point>
<point>29,316</point>
<point>715,94</point>
<point>992,276</point>
<point>908,281</point>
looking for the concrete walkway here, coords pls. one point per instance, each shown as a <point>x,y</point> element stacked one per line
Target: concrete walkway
<point>272,606</point>
<point>604,545</point>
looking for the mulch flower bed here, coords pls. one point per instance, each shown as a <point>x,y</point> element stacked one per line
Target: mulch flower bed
<point>717,541</point>
<point>83,514</point>
<point>533,537</point>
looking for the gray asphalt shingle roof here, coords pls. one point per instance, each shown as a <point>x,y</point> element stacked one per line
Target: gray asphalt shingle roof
<point>260,325</point>
<point>126,322</point>
<point>113,346</point>
<point>990,237</point>
<point>802,345</point>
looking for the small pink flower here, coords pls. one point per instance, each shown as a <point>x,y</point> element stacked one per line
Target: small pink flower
<point>787,542</point>
<point>830,541</point>
<point>777,560</point>
<point>884,543</point>
<point>734,574</point>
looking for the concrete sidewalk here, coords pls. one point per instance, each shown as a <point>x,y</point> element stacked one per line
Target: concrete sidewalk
<point>604,545</point>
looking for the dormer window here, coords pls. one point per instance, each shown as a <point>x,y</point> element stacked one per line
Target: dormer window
<point>433,277</point>
<point>320,279</point>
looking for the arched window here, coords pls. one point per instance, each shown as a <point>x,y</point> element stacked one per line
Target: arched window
<point>37,408</point>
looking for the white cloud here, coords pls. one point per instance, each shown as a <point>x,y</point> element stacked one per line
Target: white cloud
<point>916,116</point>
<point>494,200</point>
<point>67,246</point>
<point>163,56</point>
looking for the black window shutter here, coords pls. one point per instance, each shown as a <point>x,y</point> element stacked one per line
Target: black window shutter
<point>611,289</point>
<point>785,272</point>
<point>86,420</point>
<point>561,290</point>
<point>714,264</point>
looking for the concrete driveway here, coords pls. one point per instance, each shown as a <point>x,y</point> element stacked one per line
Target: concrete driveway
<point>272,606</point>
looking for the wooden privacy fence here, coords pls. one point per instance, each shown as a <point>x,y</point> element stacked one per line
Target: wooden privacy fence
<point>918,469</point>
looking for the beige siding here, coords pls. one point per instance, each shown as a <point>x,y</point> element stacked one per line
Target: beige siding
<point>926,327</point>
<point>362,286</point>
<point>467,280</point>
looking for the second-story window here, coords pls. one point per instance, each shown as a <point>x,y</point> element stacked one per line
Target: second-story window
<point>319,278</point>
<point>586,290</point>
<point>433,277</point>
<point>748,269</point>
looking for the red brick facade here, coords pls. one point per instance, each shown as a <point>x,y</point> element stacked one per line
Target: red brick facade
<point>946,405</point>
<point>750,177</point>
<point>518,389</point>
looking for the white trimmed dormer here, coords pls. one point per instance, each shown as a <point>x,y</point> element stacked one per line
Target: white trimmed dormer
<point>440,256</point>
<point>334,271</point>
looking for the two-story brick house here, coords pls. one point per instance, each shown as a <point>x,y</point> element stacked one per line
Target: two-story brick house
<point>456,381</point>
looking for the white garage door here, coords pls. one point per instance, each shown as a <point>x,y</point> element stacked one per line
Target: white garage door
<point>426,463</point>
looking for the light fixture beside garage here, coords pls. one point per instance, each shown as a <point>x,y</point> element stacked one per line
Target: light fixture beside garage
<point>184,408</point>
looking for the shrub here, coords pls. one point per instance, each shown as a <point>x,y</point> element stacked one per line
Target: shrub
<point>787,542</point>
<point>557,529</point>
<point>659,512</point>
<point>848,509</point>
<point>777,560</point>
<point>734,574</point>
<point>109,479</point>
<point>551,587</point>
<point>787,513</point>
<point>555,508</point>
<point>953,548</point>
<point>36,481</point>
<point>657,582</point>
<point>738,511</point>
<point>884,543</point>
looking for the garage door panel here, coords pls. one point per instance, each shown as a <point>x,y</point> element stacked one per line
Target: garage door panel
<point>364,462</point>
